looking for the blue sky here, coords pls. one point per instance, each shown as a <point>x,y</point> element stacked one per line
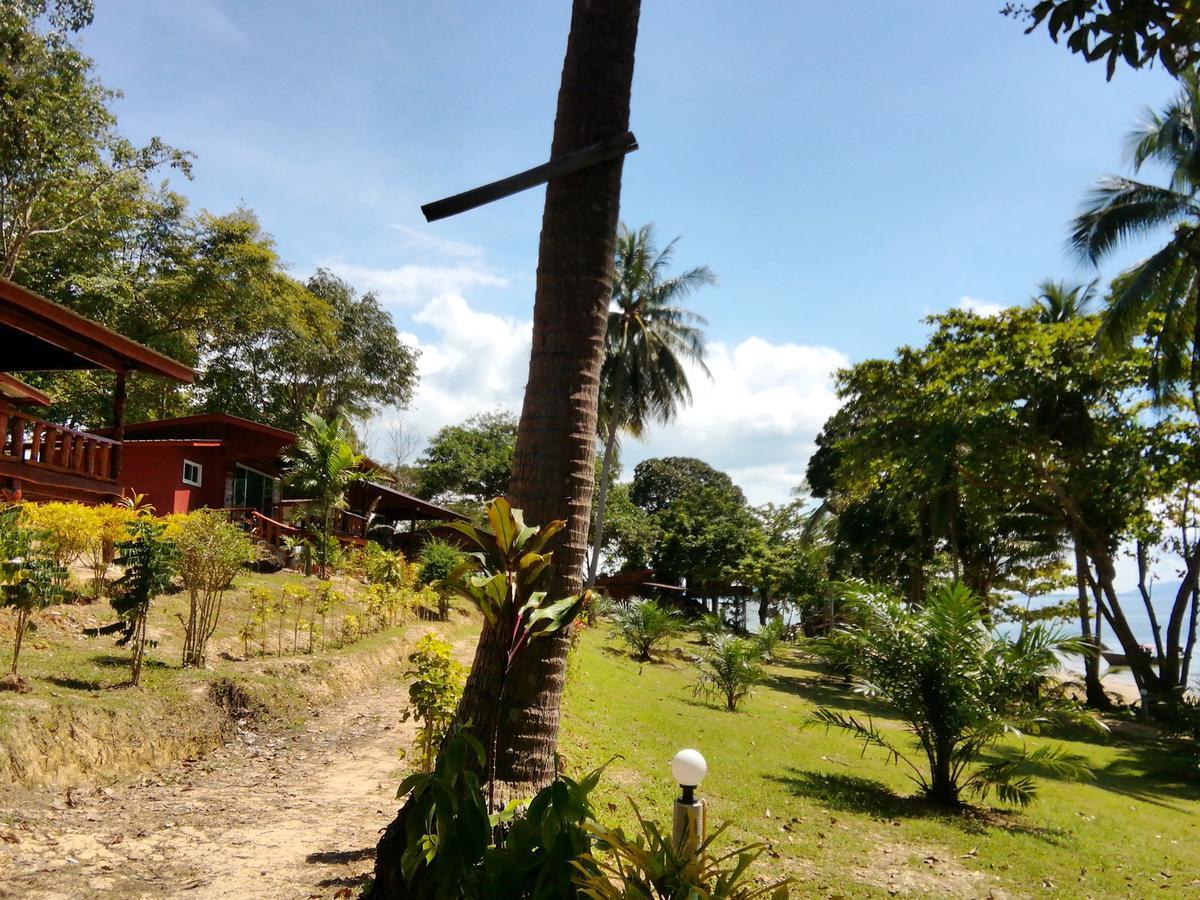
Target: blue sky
<point>844,168</point>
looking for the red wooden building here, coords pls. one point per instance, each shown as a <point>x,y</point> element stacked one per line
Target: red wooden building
<point>226,462</point>
<point>39,459</point>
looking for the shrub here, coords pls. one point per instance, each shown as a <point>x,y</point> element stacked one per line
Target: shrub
<point>710,626</point>
<point>64,532</point>
<point>729,670</point>
<point>437,681</point>
<point>211,552</point>
<point>959,688</point>
<point>28,581</point>
<point>439,558</point>
<point>384,567</point>
<point>454,848</point>
<point>646,626</point>
<point>649,866</point>
<point>262,601</point>
<point>149,563</point>
<point>109,527</point>
<point>769,637</point>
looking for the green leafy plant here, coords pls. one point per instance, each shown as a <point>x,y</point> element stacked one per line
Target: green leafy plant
<point>959,688</point>
<point>455,849</point>
<point>211,552</point>
<point>149,562</point>
<point>384,566</point>
<point>438,559</point>
<point>325,598</point>
<point>649,867</point>
<point>437,681</point>
<point>646,626</point>
<point>710,627</point>
<point>321,466</point>
<point>769,638</point>
<point>729,670</point>
<point>28,581</point>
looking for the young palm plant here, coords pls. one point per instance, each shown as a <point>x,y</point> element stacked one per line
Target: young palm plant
<point>321,466</point>
<point>959,688</point>
<point>646,626</point>
<point>649,340</point>
<point>729,670</point>
<point>1168,281</point>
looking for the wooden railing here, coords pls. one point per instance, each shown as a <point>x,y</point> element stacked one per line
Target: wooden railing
<point>346,524</point>
<point>56,448</point>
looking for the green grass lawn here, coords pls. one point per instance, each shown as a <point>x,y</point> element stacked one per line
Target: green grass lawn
<point>847,824</point>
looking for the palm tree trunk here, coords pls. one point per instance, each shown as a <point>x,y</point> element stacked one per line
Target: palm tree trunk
<point>610,447</point>
<point>554,460</point>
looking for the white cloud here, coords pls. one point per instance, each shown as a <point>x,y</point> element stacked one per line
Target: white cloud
<point>757,419</point>
<point>423,241</point>
<point>411,284</point>
<point>214,21</point>
<point>476,362</point>
<point>980,307</point>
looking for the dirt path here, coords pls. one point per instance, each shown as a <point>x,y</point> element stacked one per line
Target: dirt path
<point>288,815</point>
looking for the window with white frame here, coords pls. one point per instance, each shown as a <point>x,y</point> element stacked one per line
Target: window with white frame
<point>192,472</point>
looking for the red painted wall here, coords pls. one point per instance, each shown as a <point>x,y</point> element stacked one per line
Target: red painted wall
<point>156,469</point>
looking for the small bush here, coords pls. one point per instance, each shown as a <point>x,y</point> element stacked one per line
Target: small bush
<point>710,627</point>
<point>646,626</point>
<point>438,559</point>
<point>730,670</point>
<point>437,682</point>
<point>211,552</point>
<point>649,865</point>
<point>769,638</point>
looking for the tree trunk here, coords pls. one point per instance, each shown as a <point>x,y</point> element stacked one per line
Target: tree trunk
<point>22,619</point>
<point>1144,673</point>
<point>610,447</point>
<point>554,460</point>
<point>1094,690</point>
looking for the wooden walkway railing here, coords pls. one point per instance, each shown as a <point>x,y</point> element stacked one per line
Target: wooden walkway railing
<point>39,444</point>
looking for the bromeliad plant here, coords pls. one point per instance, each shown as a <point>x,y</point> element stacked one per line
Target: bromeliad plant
<point>959,688</point>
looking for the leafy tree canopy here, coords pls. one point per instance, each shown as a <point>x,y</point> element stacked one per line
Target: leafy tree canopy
<point>1137,32</point>
<point>471,462</point>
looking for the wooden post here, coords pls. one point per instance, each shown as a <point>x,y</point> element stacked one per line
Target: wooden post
<point>118,426</point>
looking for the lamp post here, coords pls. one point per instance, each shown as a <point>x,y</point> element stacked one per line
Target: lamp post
<point>689,768</point>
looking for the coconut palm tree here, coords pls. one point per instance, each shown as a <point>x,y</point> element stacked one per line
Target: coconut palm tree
<point>1168,282</point>
<point>650,340</point>
<point>1056,301</point>
<point>321,466</point>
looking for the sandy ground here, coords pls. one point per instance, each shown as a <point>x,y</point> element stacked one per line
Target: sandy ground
<point>286,815</point>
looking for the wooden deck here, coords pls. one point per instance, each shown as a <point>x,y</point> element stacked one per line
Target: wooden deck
<point>40,460</point>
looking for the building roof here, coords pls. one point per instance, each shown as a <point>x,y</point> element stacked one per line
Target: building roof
<point>39,335</point>
<point>413,507</point>
<point>13,388</point>
<point>208,426</point>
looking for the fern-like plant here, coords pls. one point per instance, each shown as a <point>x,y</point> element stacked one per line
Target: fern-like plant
<point>959,688</point>
<point>729,670</point>
<point>649,866</point>
<point>646,626</point>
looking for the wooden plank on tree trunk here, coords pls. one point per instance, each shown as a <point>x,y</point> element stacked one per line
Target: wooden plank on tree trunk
<point>565,165</point>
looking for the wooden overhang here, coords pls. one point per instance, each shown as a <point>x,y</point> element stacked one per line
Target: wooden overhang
<point>17,391</point>
<point>39,335</point>
<point>389,501</point>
